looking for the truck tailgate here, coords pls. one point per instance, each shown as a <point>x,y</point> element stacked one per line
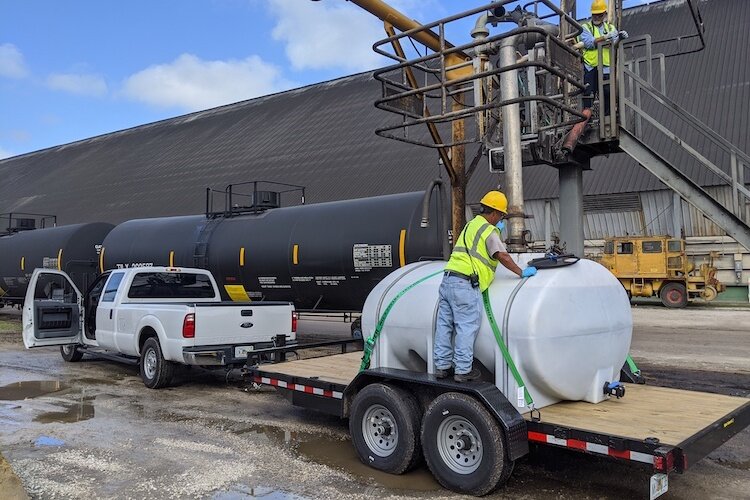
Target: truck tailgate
<point>228,323</point>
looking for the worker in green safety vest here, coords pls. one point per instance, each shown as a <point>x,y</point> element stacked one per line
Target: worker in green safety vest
<point>469,272</point>
<point>595,31</point>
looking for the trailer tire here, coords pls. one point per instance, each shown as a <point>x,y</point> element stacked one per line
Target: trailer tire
<point>464,446</point>
<point>71,353</point>
<point>156,372</point>
<point>674,295</point>
<point>384,426</point>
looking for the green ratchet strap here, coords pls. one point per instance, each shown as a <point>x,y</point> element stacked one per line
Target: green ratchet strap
<point>633,368</point>
<point>504,350</point>
<point>370,342</point>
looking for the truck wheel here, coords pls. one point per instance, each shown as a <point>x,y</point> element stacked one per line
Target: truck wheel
<point>156,372</point>
<point>674,295</point>
<point>71,353</point>
<point>357,329</point>
<point>384,425</point>
<point>464,446</point>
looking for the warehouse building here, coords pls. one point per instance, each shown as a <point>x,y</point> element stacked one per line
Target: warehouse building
<point>322,137</point>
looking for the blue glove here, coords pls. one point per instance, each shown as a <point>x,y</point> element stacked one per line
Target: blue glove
<point>529,272</point>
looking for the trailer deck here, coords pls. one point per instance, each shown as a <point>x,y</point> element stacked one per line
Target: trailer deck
<point>668,429</point>
<point>670,415</point>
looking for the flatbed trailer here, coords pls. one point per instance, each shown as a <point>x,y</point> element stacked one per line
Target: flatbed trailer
<point>398,416</point>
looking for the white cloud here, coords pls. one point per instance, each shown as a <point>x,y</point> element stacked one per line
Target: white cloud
<point>12,64</point>
<point>193,84</point>
<point>78,83</point>
<point>323,35</point>
<point>4,153</point>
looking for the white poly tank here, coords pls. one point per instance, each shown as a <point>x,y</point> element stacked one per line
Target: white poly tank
<point>568,329</point>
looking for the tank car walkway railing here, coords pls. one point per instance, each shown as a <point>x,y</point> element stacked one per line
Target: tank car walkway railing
<point>697,154</point>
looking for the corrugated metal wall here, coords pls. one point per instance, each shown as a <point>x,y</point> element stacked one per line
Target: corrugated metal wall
<point>656,217</point>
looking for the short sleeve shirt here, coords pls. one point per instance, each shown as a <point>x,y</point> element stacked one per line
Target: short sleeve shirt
<point>494,243</point>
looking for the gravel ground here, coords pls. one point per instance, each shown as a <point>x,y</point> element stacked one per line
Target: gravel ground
<point>92,430</point>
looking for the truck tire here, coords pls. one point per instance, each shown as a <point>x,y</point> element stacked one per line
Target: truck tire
<point>71,353</point>
<point>673,295</point>
<point>464,446</point>
<point>357,329</point>
<point>384,426</point>
<point>156,372</point>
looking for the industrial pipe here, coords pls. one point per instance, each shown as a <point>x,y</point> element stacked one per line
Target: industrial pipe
<point>512,145</point>
<point>575,133</point>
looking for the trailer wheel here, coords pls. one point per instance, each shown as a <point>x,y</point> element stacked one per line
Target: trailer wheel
<point>156,372</point>
<point>674,295</point>
<point>71,353</point>
<point>464,446</point>
<point>384,426</point>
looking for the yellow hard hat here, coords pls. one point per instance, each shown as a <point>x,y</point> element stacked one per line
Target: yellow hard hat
<point>598,7</point>
<point>496,200</point>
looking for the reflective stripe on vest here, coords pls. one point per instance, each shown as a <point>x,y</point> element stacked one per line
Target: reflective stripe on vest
<point>591,56</point>
<point>475,258</point>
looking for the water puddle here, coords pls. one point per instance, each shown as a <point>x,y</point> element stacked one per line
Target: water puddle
<point>340,454</point>
<point>30,389</point>
<point>240,491</point>
<point>75,412</point>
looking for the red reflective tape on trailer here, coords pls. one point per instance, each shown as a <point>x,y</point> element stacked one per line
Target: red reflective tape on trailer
<point>577,444</point>
<point>298,387</point>
<point>537,436</point>
<point>619,453</point>
<point>600,449</point>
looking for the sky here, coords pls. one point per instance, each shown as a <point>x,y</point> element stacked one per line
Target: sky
<point>74,69</point>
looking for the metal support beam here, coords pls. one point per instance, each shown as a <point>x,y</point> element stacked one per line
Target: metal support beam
<point>689,190</point>
<point>676,215</point>
<point>571,208</point>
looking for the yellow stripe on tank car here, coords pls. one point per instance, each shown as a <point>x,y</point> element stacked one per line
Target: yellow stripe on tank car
<point>23,263</point>
<point>402,248</point>
<point>295,255</point>
<point>101,260</point>
<point>242,256</point>
<point>59,260</point>
<point>237,293</point>
<point>171,258</point>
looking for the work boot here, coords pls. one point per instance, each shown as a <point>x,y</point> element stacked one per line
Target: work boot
<point>467,377</point>
<point>440,373</point>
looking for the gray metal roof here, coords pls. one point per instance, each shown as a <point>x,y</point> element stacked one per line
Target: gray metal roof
<point>322,136</point>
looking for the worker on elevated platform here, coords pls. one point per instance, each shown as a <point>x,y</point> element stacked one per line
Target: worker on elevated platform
<point>595,31</point>
<point>469,272</point>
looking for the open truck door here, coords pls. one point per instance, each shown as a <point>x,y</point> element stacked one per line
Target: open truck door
<point>52,310</point>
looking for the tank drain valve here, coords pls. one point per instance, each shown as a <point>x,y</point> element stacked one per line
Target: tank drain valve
<point>615,389</point>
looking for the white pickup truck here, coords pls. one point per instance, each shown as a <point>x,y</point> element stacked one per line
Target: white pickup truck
<point>155,316</point>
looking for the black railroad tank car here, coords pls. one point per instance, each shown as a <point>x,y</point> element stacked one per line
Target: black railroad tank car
<point>325,256</point>
<point>73,249</point>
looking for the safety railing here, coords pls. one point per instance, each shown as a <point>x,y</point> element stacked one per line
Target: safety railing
<point>700,153</point>
<point>447,84</point>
